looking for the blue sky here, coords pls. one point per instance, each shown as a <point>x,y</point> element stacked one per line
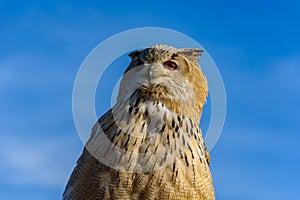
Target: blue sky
<point>255,45</point>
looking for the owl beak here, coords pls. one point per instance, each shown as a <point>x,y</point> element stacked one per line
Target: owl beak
<point>149,74</point>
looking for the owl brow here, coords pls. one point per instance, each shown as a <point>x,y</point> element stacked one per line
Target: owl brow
<point>174,55</point>
<point>139,61</point>
<point>136,58</point>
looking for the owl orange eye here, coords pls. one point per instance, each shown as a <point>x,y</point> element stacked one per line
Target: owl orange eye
<point>170,65</point>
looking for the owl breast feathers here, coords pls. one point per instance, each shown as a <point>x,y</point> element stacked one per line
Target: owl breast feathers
<point>149,145</point>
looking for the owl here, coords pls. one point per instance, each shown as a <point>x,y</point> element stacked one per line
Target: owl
<point>149,145</point>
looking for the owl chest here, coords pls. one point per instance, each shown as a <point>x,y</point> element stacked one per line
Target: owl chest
<point>160,154</point>
<point>154,137</point>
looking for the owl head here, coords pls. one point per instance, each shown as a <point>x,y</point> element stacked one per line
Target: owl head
<point>167,74</point>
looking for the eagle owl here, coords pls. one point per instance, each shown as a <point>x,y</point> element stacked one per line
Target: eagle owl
<point>149,145</point>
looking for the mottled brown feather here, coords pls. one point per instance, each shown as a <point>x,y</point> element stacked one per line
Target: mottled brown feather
<point>155,131</point>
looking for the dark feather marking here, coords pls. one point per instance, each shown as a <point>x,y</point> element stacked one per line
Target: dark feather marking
<point>153,166</point>
<point>176,173</point>
<point>176,128</point>
<point>143,139</point>
<point>186,160</point>
<point>173,123</point>
<point>163,128</point>
<point>137,102</point>
<point>195,136</point>
<point>192,132</point>
<point>161,179</point>
<point>191,122</point>
<point>168,139</point>
<point>120,130</point>
<point>186,127</point>
<point>132,130</point>
<point>130,156</point>
<point>148,159</point>
<point>165,157</point>
<point>190,150</point>
<point>130,110</point>
<point>180,123</point>
<point>138,117</point>
<point>200,146</point>
<point>180,152</point>
<point>146,113</point>
<point>161,162</point>
<point>101,119</point>
<point>108,127</point>
<point>178,118</point>
<point>115,143</point>
<point>136,110</point>
<point>199,157</point>
<point>173,167</point>
<point>130,164</point>
<point>194,174</point>
<point>143,126</point>
<point>147,149</point>
<point>116,134</point>
<point>126,143</point>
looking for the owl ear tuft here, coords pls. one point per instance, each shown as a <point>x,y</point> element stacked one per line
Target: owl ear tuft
<point>134,53</point>
<point>192,52</point>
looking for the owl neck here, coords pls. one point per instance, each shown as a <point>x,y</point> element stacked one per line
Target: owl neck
<point>157,94</point>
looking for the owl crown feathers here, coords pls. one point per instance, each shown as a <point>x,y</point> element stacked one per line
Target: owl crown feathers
<point>185,51</point>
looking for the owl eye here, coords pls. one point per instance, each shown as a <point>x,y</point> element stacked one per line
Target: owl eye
<point>170,65</point>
